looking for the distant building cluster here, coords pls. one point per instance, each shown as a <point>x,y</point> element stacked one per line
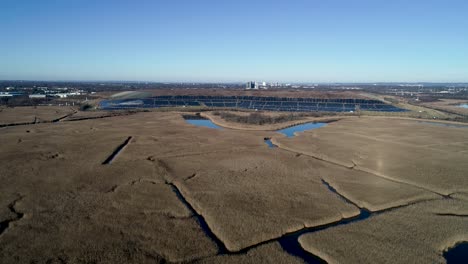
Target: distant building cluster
<point>260,85</point>
<point>41,92</point>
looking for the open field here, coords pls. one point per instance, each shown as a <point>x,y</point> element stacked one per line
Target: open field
<point>407,151</point>
<point>416,234</point>
<point>174,192</point>
<point>30,114</point>
<point>449,105</point>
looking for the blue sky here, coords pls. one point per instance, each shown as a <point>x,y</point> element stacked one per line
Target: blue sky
<point>208,40</point>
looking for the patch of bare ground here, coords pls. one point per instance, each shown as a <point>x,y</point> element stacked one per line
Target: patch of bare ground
<point>413,234</point>
<point>404,151</point>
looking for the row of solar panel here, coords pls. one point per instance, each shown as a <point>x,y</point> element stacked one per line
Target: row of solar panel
<point>291,105</point>
<point>262,104</point>
<point>257,98</point>
<point>370,105</point>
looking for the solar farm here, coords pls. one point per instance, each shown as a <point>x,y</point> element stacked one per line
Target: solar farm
<point>254,103</point>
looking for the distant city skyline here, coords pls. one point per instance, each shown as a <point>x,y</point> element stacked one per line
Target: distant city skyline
<point>333,41</point>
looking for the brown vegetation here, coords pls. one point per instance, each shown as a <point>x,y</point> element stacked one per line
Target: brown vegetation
<point>407,151</point>
<point>296,93</point>
<point>180,193</point>
<point>258,118</point>
<point>415,234</point>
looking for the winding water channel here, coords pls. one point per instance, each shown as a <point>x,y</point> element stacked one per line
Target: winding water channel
<point>290,241</point>
<point>457,254</point>
<point>291,131</point>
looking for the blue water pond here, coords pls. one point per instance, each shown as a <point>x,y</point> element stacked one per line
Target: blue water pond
<point>290,131</point>
<point>458,254</point>
<point>203,123</point>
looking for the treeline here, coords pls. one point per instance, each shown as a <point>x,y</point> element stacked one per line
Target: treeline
<point>261,119</point>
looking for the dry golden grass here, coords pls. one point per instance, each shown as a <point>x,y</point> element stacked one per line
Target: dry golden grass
<point>371,192</point>
<point>252,196</point>
<point>461,196</point>
<point>268,253</point>
<point>415,234</point>
<point>75,209</point>
<point>449,105</point>
<point>408,151</point>
<point>28,114</point>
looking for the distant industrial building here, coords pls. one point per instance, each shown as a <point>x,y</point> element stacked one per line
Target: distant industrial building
<point>256,85</point>
<point>251,85</point>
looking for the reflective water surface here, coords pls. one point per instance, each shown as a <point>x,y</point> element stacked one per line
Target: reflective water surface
<point>290,131</point>
<point>458,254</point>
<point>203,123</point>
<point>269,143</point>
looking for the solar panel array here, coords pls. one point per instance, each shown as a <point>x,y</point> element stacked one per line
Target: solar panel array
<point>252,102</point>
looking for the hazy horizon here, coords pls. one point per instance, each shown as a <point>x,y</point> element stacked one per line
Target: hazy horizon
<point>209,41</point>
<point>230,82</point>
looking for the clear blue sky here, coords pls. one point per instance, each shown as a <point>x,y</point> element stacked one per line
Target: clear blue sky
<point>215,40</point>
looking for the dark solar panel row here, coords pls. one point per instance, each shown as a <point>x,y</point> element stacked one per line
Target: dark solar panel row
<point>265,99</point>
<point>251,102</point>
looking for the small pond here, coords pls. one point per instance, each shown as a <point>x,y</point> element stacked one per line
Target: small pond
<point>290,131</point>
<point>202,123</point>
<point>463,106</point>
<point>457,254</point>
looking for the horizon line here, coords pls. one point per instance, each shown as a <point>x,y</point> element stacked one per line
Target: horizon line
<point>236,82</point>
